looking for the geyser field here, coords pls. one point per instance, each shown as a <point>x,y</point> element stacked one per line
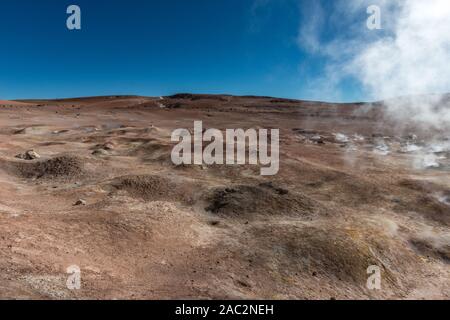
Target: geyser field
<point>355,188</point>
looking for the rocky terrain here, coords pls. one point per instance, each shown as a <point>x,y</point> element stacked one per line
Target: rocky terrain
<point>89,182</point>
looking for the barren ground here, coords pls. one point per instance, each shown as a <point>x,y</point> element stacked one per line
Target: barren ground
<point>150,230</point>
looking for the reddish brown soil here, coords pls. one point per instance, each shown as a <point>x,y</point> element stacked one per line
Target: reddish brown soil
<point>150,230</point>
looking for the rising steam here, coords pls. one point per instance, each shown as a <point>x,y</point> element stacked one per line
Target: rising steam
<point>407,63</point>
<point>412,64</point>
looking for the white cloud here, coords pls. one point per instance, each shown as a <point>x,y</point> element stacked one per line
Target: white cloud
<point>415,60</point>
<point>410,56</point>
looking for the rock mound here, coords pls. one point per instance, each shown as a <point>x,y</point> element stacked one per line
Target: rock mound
<point>58,167</point>
<point>265,199</point>
<point>153,188</point>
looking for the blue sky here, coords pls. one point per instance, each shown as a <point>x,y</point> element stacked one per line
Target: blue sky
<point>149,47</point>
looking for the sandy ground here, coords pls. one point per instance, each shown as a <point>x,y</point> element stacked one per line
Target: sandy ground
<point>151,230</point>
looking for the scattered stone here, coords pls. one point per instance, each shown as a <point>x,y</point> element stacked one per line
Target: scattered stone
<point>311,136</point>
<point>410,148</point>
<point>243,284</point>
<point>80,202</point>
<point>382,149</point>
<point>29,155</point>
<point>317,139</point>
<point>412,137</point>
<point>108,146</point>
<point>358,137</point>
<point>340,137</point>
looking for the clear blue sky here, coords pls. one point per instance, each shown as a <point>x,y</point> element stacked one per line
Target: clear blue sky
<point>149,47</point>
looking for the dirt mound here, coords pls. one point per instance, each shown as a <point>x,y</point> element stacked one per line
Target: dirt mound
<point>329,254</point>
<point>154,188</point>
<point>423,199</point>
<point>426,206</point>
<point>432,209</point>
<point>429,249</point>
<point>261,199</point>
<point>417,185</point>
<point>153,151</point>
<point>59,167</point>
<point>344,189</point>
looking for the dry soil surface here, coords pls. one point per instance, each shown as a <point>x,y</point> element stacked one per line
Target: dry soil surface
<point>351,192</point>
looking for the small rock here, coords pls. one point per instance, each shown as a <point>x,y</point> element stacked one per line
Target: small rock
<point>80,202</point>
<point>377,135</point>
<point>108,146</point>
<point>342,138</point>
<point>317,139</point>
<point>100,152</point>
<point>29,155</point>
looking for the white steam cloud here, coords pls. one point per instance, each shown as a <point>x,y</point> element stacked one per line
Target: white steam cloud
<point>407,63</point>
